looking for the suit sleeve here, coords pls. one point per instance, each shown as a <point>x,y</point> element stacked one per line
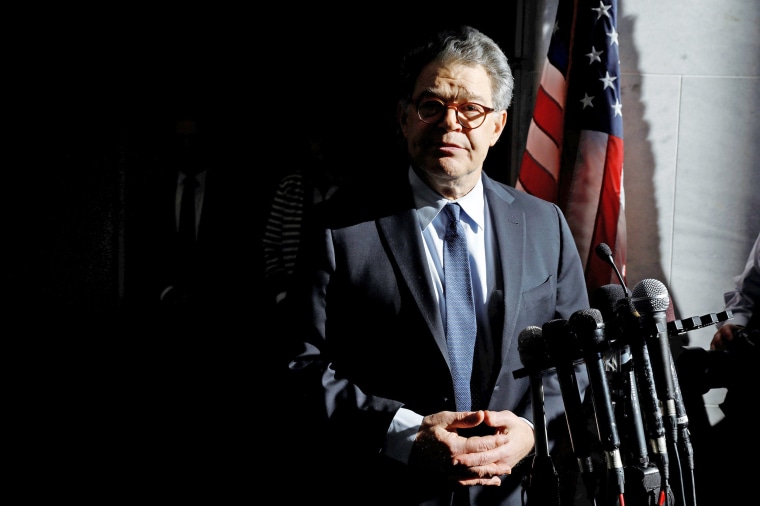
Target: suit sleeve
<point>572,296</point>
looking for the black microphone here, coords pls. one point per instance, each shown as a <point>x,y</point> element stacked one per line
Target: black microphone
<point>588,326</point>
<point>605,300</point>
<point>673,329</point>
<point>604,252</point>
<point>644,477</point>
<point>623,379</point>
<point>682,419</point>
<point>563,351</point>
<point>650,297</point>
<point>535,358</point>
<point>543,484</point>
<point>633,334</point>
<point>651,300</point>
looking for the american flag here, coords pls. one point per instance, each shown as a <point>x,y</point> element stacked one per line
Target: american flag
<point>574,150</point>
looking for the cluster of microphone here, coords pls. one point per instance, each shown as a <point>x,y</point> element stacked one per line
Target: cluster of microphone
<point>641,420</point>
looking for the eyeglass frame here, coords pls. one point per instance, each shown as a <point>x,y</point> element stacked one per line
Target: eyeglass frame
<point>449,105</point>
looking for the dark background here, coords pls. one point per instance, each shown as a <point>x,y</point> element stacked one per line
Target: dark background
<point>96,92</point>
<point>104,91</point>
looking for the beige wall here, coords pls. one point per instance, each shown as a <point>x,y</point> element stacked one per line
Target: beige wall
<point>691,101</point>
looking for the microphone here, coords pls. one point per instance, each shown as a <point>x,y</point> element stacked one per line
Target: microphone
<point>535,358</point>
<point>612,300</point>
<point>632,328</point>
<point>623,381</point>
<point>605,300</point>
<point>682,419</point>
<point>604,252</point>
<point>588,326</point>
<point>543,485</point>
<point>650,298</point>
<point>562,346</point>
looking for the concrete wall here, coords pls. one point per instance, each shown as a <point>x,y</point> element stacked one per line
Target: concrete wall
<point>691,108</point>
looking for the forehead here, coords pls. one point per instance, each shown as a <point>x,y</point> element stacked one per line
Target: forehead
<point>454,80</point>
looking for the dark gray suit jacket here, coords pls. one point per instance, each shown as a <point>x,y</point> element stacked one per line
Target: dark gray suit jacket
<point>373,340</point>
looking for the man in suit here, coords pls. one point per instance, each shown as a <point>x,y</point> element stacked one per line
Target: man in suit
<point>190,304</point>
<point>207,277</point>
<point>373,396</point>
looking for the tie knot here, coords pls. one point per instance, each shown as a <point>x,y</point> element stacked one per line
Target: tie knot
<point>452,211</point>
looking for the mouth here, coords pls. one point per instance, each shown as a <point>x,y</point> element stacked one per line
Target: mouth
<point>446,148</point>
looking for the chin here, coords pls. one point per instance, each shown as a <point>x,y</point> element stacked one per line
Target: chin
<point>453,168</point>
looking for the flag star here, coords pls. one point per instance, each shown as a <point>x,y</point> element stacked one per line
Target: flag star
<point>601,10</point>
<point>594,55</point>
<point>613,35</point>
<point>607,80</point>
<point>618,108</point>
<point>586,101</point>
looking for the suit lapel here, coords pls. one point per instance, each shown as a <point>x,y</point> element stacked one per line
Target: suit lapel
<point>509,233</point>
<point>402,234</point>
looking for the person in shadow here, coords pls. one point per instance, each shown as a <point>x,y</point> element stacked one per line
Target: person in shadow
<point>316,177</point>
<point>726,453</point>
<point>191,302</point>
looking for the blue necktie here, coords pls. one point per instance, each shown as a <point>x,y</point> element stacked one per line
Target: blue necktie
<point>461,323</point>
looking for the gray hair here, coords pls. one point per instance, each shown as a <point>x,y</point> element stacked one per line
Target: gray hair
<point>467,46</point>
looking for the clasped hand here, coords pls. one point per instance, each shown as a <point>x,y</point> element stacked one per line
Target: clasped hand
<point>474,460</point>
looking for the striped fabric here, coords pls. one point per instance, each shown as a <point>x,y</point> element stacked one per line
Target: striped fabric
<point>282,233</point>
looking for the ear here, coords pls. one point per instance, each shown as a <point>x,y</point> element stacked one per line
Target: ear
<point>499,123</point>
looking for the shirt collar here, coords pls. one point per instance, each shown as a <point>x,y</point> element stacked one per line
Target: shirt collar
<point>200,177</point>
<point>429,202</point>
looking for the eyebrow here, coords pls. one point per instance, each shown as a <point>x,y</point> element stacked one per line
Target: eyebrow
<point>464,97</point>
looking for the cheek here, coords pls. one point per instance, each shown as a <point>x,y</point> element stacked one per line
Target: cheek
<point>412,132</point>
<point>481,144</point>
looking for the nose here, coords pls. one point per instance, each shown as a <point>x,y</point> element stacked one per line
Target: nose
<point>451,118</point>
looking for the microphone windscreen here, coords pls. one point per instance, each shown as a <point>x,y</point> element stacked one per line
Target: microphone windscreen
<point>585,324</point>
<point>605,299</point>
<point>650,295</point>
<point>603,251</point>
<point>532,348</point>
<point>560,341</point>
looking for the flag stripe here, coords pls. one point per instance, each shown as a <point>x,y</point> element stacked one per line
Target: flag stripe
<point>545,114</point>
<point>608,215</point>
<point>544,151</point>
<point>585,189</point>
<point>574,148</point>
<point>537,181</point>
<point>554,84</point>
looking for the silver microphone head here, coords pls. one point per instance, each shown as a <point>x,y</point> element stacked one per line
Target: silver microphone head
<point>650,295</point>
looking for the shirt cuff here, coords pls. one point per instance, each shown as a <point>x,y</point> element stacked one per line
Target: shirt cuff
<point>401,435</point>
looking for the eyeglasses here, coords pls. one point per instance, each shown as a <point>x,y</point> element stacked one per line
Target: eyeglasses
<point>470,115</point>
